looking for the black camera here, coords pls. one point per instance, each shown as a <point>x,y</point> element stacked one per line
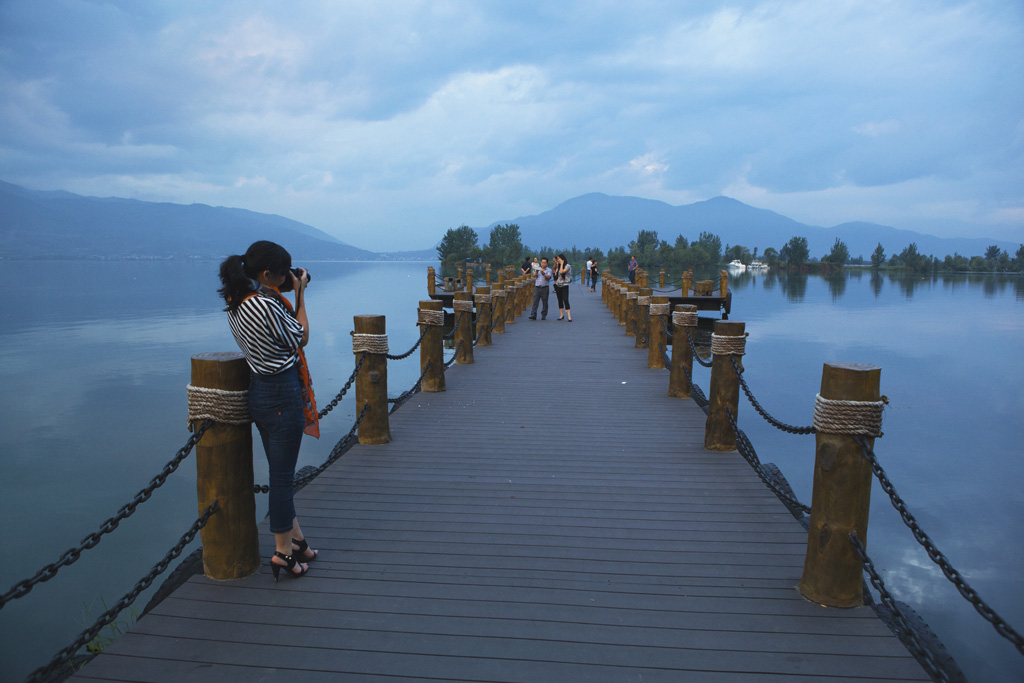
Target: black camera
<point>286,286</point>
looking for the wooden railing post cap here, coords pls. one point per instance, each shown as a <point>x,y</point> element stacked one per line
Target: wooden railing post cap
<point>851,381</point>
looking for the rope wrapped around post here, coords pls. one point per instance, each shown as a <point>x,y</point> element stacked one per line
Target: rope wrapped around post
<point>659,309</point>
<point>684,318</point>
<point>861,418</point>
<point>219,405</point>
<point>722,345</point>
<point>430,317</point>
<point>370,343</point>
<point>463,305</point>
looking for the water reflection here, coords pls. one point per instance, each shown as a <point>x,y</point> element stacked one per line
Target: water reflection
<point>876,283</point>
<point>836,284</point>
<point>794,286</point>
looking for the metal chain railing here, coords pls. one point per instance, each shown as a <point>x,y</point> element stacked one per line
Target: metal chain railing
<point>904,631</point>
<point>746,449</point>
<point>696,356</point>
<point>344,389</point>
<point>665,357</point>
<point>696,392</point>
<point>408,353</point>
<point>458,347</point>
<point>950,572</point>
<point>458,321</point>
<point>47,671</point>
<point>336,452</point>
<point>408,393</point>
<point>70,556</point>
<point>761,411</point>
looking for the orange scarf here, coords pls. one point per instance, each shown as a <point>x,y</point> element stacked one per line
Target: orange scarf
<point>308,398</point>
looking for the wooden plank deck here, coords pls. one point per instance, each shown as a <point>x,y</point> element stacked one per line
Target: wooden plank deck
<point>551,517</point>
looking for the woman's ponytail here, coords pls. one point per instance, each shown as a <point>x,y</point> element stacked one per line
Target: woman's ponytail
<point>235,284</point>
<point>238,272</point>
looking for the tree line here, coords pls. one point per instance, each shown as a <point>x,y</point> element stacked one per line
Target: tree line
<point>505,247</point>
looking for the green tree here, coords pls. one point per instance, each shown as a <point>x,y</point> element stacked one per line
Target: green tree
<point>770,256</point>
<point>878,257</point>
<point>992,253</point>
<point>839,255</point>
<point>711,245</point>
<point>458,244</point>
<point>739,253</point>
<point>1018,259</point>
<point>505,246</point>
<point>795,252</point>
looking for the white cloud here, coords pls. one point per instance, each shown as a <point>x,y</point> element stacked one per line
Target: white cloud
<point>410,118</point>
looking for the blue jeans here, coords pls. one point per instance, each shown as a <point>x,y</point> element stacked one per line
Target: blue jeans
<point>275,403</point>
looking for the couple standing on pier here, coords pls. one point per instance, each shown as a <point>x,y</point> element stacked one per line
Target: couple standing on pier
<point>562,275</point>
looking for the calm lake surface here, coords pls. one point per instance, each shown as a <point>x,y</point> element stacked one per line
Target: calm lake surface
<point>95,358</point>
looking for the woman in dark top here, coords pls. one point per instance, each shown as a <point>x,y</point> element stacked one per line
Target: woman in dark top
<point>593,275</point>
<point>563,278</point>
<point>271,334</point>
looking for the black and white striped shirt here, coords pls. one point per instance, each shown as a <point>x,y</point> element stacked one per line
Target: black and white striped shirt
<point>267,333</point>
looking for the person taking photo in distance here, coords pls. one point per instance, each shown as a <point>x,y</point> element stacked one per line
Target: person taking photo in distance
<point>541,289</point>
<point>563,278</point>
<point>271,333</point>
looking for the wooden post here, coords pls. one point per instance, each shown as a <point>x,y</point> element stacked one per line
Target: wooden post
<point>511,292</point>
<point>483,316</point>
<point>431,280</point>
<point>723,283</point>
<point>724,393</point>
<point>432,351</point>
<point>643,317</point>
<point>620,303</point>
<point>487,276</point>
<point>372,384</point>
<point>632,292</point>
<point>464,332</point>
<point>686,283</point>
<point>661,278</point>
<point>682,356</point>
<point>642,280</point>
<point>498,307</point>
<point>224,471</point>
<point>469,279</point>
<point>501,276</point>
<point>458,272</point>
<point>656,335</point>
<point>841,496</point>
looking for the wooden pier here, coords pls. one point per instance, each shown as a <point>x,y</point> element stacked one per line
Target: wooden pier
<point>552,516</point>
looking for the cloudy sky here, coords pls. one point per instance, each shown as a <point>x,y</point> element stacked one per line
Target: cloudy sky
<point>386,123</point>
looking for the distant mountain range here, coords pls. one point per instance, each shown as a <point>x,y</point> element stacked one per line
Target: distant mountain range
<point>603,221</point>
<point>35,224</point>
<point>54,224</point>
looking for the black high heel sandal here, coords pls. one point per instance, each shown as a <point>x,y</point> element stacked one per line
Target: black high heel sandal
<point>292,563</point>
<point>300,550</point>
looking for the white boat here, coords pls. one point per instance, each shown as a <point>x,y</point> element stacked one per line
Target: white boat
<point>736,264</point>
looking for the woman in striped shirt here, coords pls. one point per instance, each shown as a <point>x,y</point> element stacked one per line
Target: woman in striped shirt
<point>271,334</point>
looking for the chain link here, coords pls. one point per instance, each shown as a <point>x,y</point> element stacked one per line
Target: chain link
<point>761,411</point>
<point>665,356</point>
<point>406,395</point>
<point>47,671</point>
<point>336,452</point>
<point>905,633</point>
<point>950,572</point>
<point>344,389</point>
<point>696,356</point>
<point>458,347</point>
<point>455,327</point>
<point>70,556</point>
<point>746,449</point>
<point>409,352</point>
<point>696,392</point>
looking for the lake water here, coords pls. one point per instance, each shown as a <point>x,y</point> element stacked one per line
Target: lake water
<point>95,358</point>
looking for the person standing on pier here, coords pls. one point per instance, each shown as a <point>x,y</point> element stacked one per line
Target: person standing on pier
<point>632,269</point>
<point>271,333</point>
<point>593,275</point>
<point>526,267</point>
<point>541,290</point>
<point>563,278</point>
<point>586,273</point>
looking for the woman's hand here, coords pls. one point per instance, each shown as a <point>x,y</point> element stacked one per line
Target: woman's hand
<point>299,282</point>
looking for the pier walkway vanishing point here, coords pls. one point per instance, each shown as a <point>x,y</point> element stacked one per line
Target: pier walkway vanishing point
<point>552,516</point>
